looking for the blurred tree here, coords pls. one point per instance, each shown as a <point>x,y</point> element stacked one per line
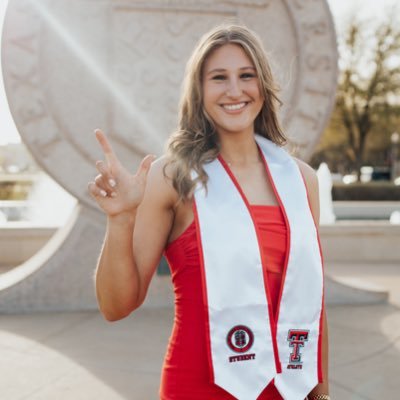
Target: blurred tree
<point>367,103</point>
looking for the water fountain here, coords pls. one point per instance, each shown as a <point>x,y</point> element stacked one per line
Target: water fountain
<point>395,217</point>
<point>327,216</point>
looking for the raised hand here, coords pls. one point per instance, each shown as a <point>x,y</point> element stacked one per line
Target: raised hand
<point>115,189</point>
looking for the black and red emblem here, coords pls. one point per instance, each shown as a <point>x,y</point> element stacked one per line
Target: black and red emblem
<point>297,339</point>
<point>240,339</point>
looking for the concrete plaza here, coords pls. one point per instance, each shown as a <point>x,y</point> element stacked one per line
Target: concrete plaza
<point>80,356</point>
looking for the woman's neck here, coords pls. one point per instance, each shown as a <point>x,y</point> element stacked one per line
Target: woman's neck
<point>239,150</point>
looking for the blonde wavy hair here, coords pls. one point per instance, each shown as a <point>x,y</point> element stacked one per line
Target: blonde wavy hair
<point>195,142</point>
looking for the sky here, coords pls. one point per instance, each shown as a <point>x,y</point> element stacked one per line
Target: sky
<point>341,10</point>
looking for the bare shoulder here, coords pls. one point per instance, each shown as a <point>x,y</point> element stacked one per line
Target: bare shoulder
<point>159,183</point>
<point>309,174</point>
<point>311,180</point>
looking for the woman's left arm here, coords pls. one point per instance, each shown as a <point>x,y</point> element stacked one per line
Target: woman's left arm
<point>311,180</point>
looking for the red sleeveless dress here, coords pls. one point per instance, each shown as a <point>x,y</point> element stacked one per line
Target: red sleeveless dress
<point>185,374</point>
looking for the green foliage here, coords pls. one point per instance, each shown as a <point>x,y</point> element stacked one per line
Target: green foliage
<point>367,109</point>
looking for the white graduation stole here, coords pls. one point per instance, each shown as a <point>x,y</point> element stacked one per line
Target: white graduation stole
<point>247,347</point>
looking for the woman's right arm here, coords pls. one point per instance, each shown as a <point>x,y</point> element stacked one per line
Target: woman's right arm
<point>137,205</point>
<point>117,279</point>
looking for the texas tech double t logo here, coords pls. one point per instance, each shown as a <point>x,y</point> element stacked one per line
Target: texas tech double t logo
<point>296,339</point>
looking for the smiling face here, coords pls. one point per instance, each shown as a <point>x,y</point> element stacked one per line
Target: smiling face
<point>231,92</point>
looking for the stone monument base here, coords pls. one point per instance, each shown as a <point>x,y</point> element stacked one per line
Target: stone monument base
<point>43,283</point>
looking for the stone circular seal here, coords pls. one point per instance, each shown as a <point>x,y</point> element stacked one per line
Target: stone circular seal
<point>70,67</point>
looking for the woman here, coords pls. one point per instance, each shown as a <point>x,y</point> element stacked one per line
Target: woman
<point>234,214</point>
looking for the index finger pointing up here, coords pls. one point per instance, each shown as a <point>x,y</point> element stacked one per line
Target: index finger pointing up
<point>106,147</point>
